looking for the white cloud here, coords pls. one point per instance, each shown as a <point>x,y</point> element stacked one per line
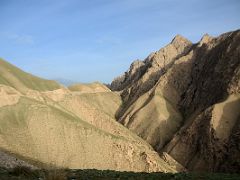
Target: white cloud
<point>20,38</point>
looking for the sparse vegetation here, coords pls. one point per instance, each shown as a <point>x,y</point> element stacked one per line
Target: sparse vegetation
<point>57,174</point>
<point>61,174</point>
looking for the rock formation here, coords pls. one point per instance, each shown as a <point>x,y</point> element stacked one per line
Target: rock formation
<point>184,101</point>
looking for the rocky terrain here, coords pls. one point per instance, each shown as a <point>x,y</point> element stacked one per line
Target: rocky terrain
<point>176,111</point>
<point>185,101</point>
<point>47,125</point>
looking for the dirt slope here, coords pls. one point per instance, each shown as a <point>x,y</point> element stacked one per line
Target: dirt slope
<point>89,88</point>
<point>73,130</point>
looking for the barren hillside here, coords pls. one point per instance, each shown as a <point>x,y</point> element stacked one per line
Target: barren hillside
<point>184,100</point>
<point>67,128</point>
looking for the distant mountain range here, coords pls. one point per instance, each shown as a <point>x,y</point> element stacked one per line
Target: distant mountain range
<point>65,82</point>
<point>176,111</point>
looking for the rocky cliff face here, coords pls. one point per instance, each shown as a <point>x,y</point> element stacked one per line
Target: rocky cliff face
<point>184,100</point>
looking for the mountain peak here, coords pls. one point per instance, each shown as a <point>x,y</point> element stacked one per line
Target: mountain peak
<point>179,39</point>
<point>205,39</point>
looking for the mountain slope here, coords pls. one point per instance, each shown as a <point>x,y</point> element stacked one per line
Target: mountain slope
<point>173,111</point>
<point>91,87</point>
<point>182,101</point>
<point>22,81</point>
<point>73,130</point>
<point>49,135</point>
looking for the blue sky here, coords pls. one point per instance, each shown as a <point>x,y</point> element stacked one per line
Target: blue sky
<point>89,40</point>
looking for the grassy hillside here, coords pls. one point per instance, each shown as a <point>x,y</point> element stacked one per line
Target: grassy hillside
<point>99,110</point>
<point>41,132</point>
<point>20,80</point>
<point>73,129</point>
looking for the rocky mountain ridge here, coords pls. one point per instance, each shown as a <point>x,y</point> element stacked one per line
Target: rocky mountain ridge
<point>171,99</point>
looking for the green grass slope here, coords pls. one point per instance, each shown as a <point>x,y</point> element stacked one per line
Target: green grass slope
<point>20,80</point>
<point>68,128</point>
<point>41,132</point>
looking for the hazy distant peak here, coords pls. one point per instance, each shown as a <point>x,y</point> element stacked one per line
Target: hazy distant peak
<point>65,82</point>
<point>89,87</point>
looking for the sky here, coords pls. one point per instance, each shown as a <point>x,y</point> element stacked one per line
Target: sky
<point>96,40</point>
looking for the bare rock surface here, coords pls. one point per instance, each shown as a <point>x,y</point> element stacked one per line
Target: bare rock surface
<point>186,102</point>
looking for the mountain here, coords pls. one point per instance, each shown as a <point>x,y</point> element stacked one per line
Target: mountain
<point>90,87</point>
<point>184,100</point>
<point>43,124</point>
<point>22,81</point>
<point>65,82</point>
<point>176,111</point>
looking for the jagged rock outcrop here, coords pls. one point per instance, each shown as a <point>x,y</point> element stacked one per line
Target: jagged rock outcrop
<point>135,72</point>
<point>209,126</point>
<point>142,76</point>
<point>183,97</point>
<point>146,110</point>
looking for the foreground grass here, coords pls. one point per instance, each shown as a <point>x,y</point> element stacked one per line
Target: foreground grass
<point>25,173</point>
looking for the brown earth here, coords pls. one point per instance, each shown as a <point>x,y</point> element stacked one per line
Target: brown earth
<point>70,128</point>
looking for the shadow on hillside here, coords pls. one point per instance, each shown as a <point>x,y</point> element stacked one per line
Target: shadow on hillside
<point>209,78</point>
<point>230,161</point>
